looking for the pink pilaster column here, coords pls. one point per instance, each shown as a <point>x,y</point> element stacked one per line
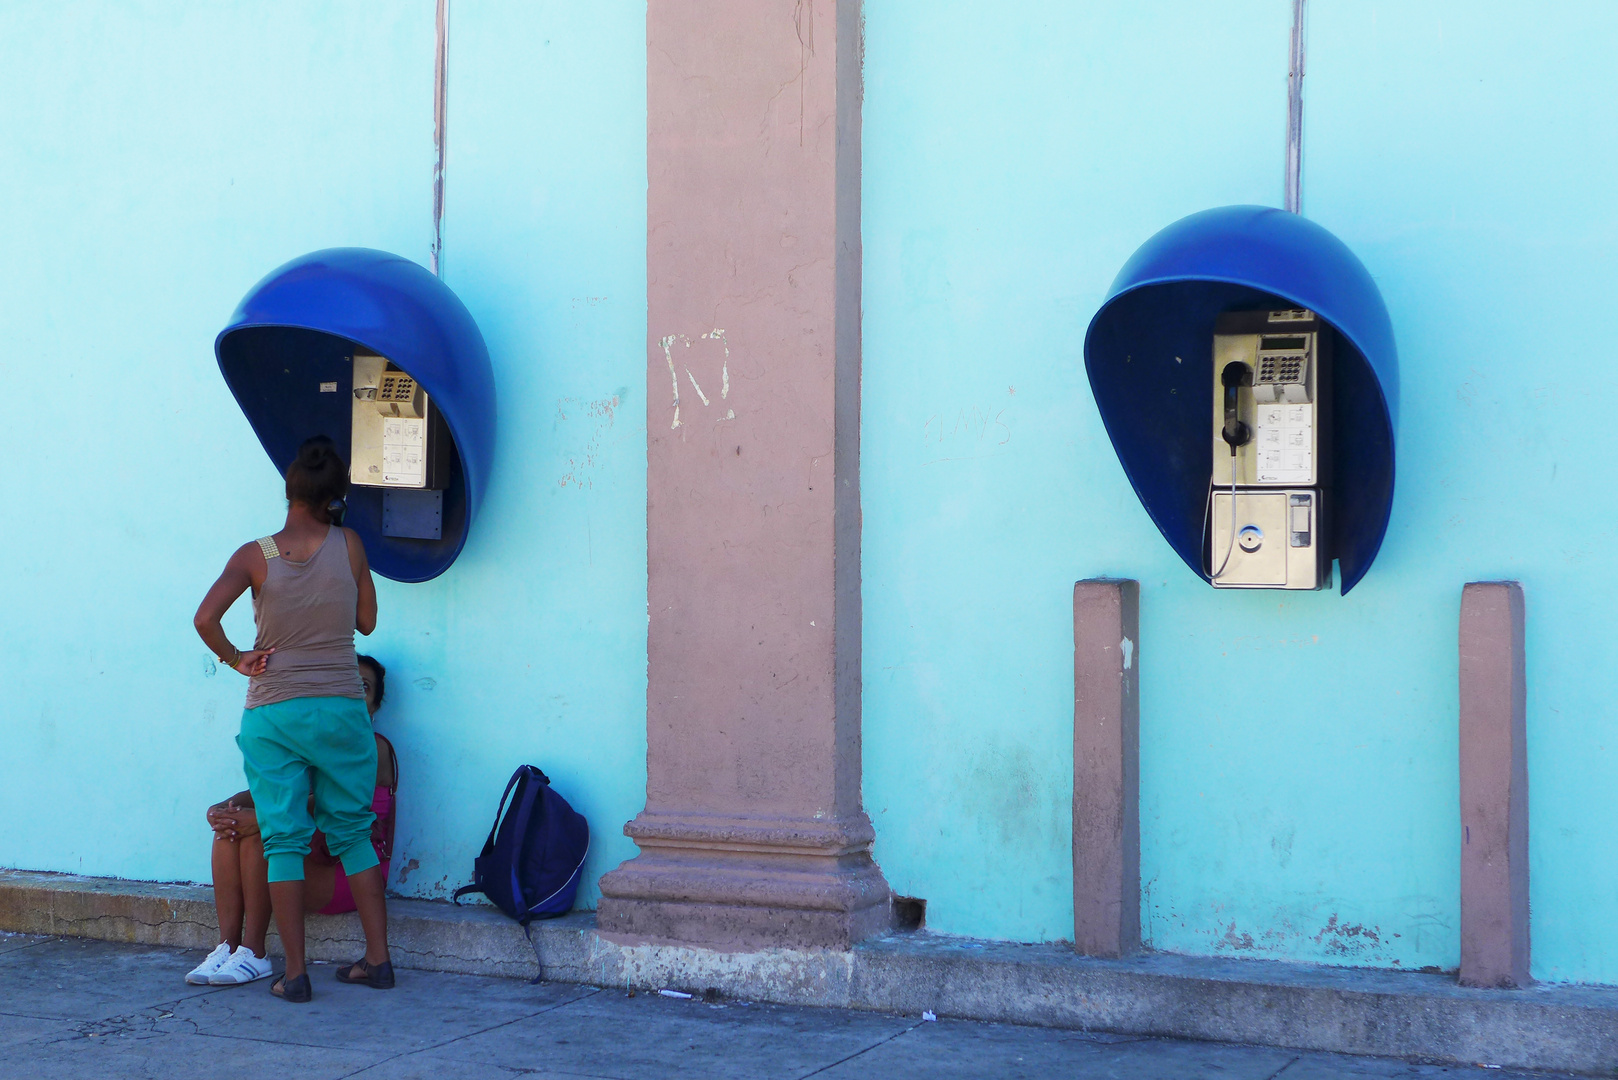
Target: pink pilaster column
<point>1106,767</point>
<point>753,833</point>
<point>1494,786</point>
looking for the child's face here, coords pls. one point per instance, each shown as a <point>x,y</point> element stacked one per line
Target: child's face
<point>368,680</point>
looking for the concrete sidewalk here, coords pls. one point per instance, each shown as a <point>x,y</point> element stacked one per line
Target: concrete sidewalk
<point>71,1007</point>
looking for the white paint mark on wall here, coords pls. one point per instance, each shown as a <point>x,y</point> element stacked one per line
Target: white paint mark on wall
<point>1128,648</point>
<point>695,387</point>
<point>674,378</point>
<point>668,343</point>
<point>718,335</point>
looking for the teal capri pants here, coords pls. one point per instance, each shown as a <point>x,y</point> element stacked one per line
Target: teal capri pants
<point>323,744</point>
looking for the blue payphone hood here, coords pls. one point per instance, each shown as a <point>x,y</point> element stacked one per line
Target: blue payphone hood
<point>297,329</point>
<point>1149,346</point>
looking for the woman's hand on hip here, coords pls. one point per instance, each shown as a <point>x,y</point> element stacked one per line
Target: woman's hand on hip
<point>254,661</point>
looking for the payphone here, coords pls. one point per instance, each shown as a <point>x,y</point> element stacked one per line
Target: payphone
<point>1269,488</point>
<point>400,443</point>
<point>1262,321</point>
<point>419,434</point>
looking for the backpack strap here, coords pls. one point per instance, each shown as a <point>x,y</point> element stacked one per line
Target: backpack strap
<point>516,776</point>
<point>522,809</point>
<point>488,844</point>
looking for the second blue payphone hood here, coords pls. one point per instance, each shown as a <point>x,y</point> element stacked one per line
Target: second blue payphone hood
<point>1148,349</point>
<point>297,329</point>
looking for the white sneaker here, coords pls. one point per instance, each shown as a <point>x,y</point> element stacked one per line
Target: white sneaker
<point>242,967</point>
<point>199,975</point>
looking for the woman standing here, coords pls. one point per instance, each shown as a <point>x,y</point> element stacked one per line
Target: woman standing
<point>241,889</point>
<point>305,729</point>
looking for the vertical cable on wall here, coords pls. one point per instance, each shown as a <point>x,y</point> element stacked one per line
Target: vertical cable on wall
<point>1294,182</point>
<point>440,120</point>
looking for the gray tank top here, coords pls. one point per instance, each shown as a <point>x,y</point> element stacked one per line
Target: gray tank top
<point>306,611</point>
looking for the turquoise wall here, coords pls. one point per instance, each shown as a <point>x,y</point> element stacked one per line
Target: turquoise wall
<point>158,159</point>
<point>1298,752</point>
<point>1467,153</point>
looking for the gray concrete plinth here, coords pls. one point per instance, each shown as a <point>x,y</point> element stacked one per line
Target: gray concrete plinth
<point>1304,1007</point>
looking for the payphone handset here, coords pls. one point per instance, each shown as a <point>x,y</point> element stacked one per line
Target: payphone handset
<point>398,438</point>
<point>1268,484</point>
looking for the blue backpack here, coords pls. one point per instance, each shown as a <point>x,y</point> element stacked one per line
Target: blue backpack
<point>532,861</point>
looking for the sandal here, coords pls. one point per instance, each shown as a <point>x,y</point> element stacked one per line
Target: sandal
<point>379,977</point>
<point>295,989</point>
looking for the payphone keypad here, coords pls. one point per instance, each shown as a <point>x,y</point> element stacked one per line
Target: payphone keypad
<point>1280,369</point>
<point>396,387</point>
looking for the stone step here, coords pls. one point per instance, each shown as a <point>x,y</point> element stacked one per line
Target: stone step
<point>1302,1006</point>
<point>472,939</point>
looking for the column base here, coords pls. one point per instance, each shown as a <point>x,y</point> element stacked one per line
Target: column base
<point>746,884</point>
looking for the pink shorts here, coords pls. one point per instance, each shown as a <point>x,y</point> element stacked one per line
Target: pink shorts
<point>342,898</point>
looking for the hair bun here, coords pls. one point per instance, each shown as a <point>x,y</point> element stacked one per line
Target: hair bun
<point>316,452</point>
<point>317,475</point>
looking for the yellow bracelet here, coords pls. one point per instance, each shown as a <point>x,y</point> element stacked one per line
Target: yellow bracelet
<point>232,663</point>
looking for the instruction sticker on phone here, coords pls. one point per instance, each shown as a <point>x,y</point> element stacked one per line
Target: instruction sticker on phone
<point>404,445</point>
